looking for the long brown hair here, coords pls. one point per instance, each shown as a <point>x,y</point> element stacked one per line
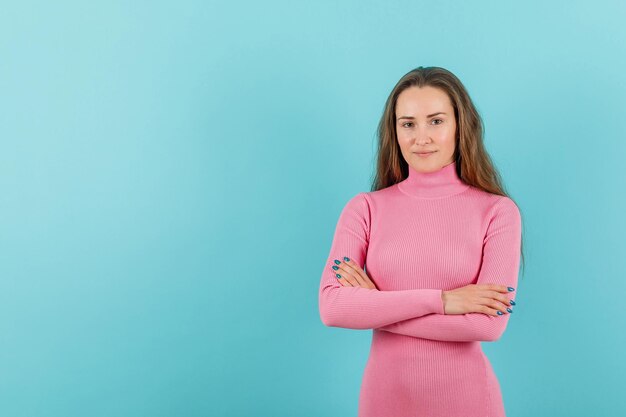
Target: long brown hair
<point>473,164</point>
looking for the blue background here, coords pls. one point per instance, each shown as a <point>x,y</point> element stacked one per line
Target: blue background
<point>171,174</point>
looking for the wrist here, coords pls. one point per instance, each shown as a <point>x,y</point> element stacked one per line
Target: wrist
<point>444,297</point>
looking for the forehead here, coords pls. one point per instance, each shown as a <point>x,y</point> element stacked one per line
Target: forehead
<point>422,101</point>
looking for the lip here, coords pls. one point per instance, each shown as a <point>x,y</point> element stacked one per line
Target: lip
<point>424,153</point>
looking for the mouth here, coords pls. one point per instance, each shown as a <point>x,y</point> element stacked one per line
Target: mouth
<point>424,153</point>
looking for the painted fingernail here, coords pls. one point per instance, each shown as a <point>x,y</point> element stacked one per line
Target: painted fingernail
<point>337,262</point>
<point>512,302</point>
<point>500,313</point>
<point>335,267</point>
<point>509,310</point>
<point>338,276</point>
<point>510,288</point>
<point>345,258</point>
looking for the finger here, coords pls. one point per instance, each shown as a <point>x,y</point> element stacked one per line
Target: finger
<point>346,273</point>
<point>353,275</point>
<point>351,279</point>
<point>490,311</point>
<point>500,297</point>
<point>338,273</point>
<point>342,280</point>
<point>494,287</point>
<point>361,273</point>
<point>498,287</point>
<point>497,305</point>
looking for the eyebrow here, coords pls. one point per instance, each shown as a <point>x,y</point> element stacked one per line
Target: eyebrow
<point>430,115</point>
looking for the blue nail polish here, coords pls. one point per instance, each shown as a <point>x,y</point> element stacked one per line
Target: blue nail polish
<point>338,276</point>
<point>337,262</point>
<point>335,267</point>
<point>512,302</point>
<point>500,313</point>
<point>510,288</point>
<point>509,310</point>
<point>345,258</point>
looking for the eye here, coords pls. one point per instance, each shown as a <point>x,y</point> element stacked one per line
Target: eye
<point>439,120</point>
<point>405,123</point>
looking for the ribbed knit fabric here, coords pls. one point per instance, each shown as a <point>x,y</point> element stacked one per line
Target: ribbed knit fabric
<point>428,233</point>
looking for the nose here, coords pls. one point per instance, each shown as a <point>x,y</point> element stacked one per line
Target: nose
<point>421,138</point>
<point>420,135</point>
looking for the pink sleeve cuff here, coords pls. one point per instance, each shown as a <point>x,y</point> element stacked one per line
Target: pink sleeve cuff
<point>428,301</point>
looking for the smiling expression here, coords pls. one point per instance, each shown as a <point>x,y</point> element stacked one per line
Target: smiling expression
<point>425,122</point>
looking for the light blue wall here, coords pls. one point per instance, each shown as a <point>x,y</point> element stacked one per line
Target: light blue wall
<point>171,174</point>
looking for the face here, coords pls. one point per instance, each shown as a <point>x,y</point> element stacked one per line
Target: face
<point>425,122</point>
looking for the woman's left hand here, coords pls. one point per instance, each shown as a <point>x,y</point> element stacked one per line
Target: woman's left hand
<point>352,275</point>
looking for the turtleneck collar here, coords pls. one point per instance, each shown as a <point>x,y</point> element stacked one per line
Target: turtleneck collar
<point>441,183</point>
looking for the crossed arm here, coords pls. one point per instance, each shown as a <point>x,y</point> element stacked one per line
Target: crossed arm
<point>418,313</point>
<point>364,308</point>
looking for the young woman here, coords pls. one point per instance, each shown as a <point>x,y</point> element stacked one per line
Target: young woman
<point>441,242</point>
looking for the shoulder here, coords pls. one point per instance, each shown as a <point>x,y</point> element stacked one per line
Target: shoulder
<point>359,203</point>
<point>371,202</point>
<point>505,211</point>
<point>506,204</point>
<point>355,216</point>
<point>378,199</point>
<point>489,201</point>
<point>357,199</point>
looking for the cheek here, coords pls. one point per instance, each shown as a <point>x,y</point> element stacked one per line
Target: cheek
<point>449,146</point>
<point>447,138</point>
<point>404,140</point>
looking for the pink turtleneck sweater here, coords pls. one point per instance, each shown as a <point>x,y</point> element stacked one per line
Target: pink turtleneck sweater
<point>428,233</point>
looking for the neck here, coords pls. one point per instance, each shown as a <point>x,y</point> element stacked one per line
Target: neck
<point>443,182</point>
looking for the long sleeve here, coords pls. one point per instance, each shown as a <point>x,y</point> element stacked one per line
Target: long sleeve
<point>363,308</point>
<point>500,264</point>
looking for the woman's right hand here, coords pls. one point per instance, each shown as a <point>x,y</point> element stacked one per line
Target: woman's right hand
<point>477,298</point>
